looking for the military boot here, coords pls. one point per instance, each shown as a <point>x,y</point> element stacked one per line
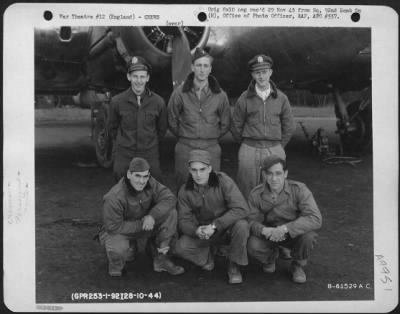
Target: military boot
<point>161,263</point>
<point>115,264</point>
<point>234,274</point>
<point>298,274</point>
<point>131,254</point>
<point>209,265</point>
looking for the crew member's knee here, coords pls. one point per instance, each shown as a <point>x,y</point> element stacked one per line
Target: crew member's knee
<point>254,245</point>
<point>309,239</point>
<point>117,246</point>
<point>241,229</point>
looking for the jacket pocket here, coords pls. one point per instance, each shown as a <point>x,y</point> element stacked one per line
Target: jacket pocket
<point>128,120</point>
<point>253,117</point>
<point>275,127</point>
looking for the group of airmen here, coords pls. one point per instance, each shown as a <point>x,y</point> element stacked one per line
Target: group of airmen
<point>209,214</point>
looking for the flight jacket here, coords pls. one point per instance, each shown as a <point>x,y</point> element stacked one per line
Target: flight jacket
<point>295,207</point>
<point>220,201</point>
<point>191,118</point>
<point>124,207</point>
<point>135,127</point>
<point>255,120</point>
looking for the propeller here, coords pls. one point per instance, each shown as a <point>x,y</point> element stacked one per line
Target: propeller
<point>181,58</point>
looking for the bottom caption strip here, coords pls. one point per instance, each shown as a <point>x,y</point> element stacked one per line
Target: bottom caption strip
<point>79,296</point>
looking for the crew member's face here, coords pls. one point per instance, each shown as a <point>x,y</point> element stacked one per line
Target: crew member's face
<point>201,68</point>
<point>138,179</point>
<point>138,80</point>
<point>200,172</point>
<point>262,78</point>
<point>275,177</point>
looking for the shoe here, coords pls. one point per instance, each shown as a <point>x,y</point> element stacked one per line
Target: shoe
<point>298,274</point>
<point>163,263</point>
<point>131,255</point>
<point>284,253</point>
<point>209,266</point>
<point>115,264</point>
<point>222,250</point>
<point>114,272</point>
<point>269,268</point>
<point>234,274</point>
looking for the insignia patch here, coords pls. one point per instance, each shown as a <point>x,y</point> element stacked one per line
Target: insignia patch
<point>260,59</point>
<point>134,60</point>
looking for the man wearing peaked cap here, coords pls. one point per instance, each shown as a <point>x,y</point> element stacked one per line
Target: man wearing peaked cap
<point>260,62</point>
<point>138,121</point>
<point>138,63</point>
<point>138,206</point>
<point>283,213</point>
<point>262,122</point>
<point>198,115</point>
<point>211,212</point>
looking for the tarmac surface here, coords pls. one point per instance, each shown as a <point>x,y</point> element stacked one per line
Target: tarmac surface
<point>69,190</point>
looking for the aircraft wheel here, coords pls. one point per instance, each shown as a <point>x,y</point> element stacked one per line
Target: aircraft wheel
<point>102,138</point>
<point>358,136</point>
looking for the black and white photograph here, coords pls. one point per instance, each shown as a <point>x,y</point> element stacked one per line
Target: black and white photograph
<point>201,158</point>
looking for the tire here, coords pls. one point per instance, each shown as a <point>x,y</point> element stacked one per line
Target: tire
<point>102,138</point>
<point>359,138</point>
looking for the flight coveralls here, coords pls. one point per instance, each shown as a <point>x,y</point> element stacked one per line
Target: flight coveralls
<point>220,203</point>
<point>296,208</point>
<point>263,128</point>
<point>123,210</point>
<point>197,123</point>
<point>136,126</point>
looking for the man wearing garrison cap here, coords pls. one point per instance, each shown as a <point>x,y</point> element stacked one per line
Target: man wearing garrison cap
<point>262,122</point>
<point>138,206</point>
<point>211,212</point>
<point>138,120</point>
<point>198,115</point>
<point>283,213</point>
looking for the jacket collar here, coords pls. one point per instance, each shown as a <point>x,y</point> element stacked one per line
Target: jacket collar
<point>213,182</point>
<point>212,83</point>
<point>131,189</point>
<point>251,90</point>
<point>285,193</point>
<point>133,97</point>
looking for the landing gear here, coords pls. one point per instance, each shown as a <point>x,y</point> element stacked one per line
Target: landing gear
<point>354,124</point>
<point>356,134</point>
<point>102,136</point>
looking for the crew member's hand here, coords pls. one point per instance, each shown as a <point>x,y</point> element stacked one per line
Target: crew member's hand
<point>208,231</point>
<point>148,223</point>
<point>200,233</point>
<point>278,234</point>
<point>266,232</point>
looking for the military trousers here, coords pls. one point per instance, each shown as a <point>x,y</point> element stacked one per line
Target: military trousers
<point>117,245</point>
<point>266,251</point>
<point>123,157</point>
<point>197,250</point>
<point>250,164</point>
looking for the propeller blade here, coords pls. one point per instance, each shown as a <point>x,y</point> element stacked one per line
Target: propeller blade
<point>181,58</point>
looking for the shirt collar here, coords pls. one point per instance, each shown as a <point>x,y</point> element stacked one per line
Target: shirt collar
<point>263,93</point>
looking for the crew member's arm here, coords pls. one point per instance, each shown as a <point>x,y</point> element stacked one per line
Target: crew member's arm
<point>162,120</point>
<point>287,122</point>
<point>187,221</point>
<point>225,115</point>
<point>256,216</point>
<point>235,203</point>
<point>113,217</point>
<point>238,118</point>
<point>164,200</point>
<point>310,217</point>
<point>175,106</point>
<point>115,119</point>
